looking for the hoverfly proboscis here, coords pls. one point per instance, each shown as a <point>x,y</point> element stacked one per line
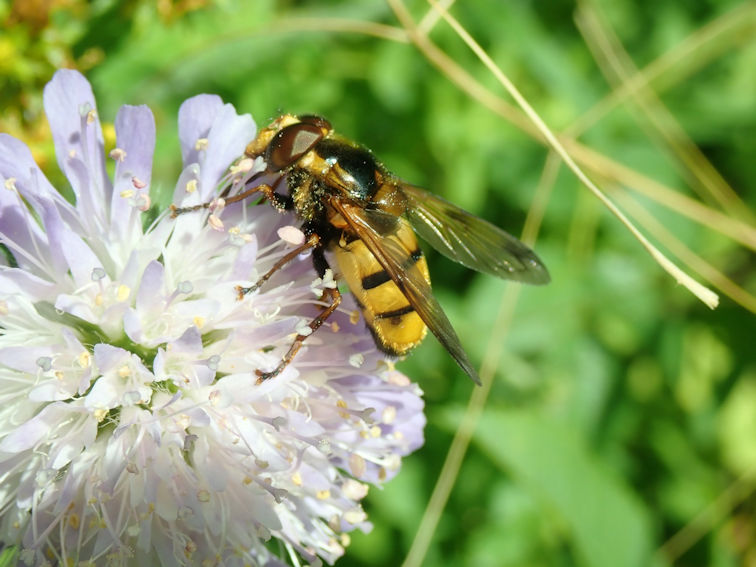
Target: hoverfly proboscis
<point>351,206</point>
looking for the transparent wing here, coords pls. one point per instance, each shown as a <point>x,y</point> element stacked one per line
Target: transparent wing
<point>470,240</point>
<point>370,227</point>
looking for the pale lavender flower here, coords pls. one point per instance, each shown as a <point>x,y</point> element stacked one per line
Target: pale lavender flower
<point>131,428</point>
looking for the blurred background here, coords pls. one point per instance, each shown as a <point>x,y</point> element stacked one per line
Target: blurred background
<point>618,426</point>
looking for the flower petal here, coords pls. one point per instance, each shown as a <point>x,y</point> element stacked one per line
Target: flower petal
<point>72,114</point>
<point>37,428</point>
<point>196,116</point>
<point>135,140</point>
<point>21,177</point>
<point>69,252</point>
<point>213,135</point>
<point>228,137</point>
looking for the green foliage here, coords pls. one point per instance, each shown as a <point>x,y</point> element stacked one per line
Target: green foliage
<point>8,556</point>
<point>584,502</point>
<point>622,408</point>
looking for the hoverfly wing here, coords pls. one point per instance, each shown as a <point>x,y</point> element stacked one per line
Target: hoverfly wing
<point>370,226</point>
<point>471,241</point>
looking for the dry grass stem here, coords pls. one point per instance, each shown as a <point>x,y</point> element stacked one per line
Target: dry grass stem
<point>714,514</point>
<point>707,296</point>
<point>342,25</point>
<point>599,163</point>
<point>709,272</point>
<point>685,58</point>
<point>655,118</point>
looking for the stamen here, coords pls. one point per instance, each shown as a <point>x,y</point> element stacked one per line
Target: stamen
<point>215,222</point>
<point>291,235</point>
<point>123,292</point>
<point>143,202</point>
<point>213,362</point>
<point>118,154</point>
<point>185,287</point>
<point>355,516</point>
<point>354,490</point>
<point>357,465</point>
<point>98,274</point>
<point>84,360</point>
<point>45,363</point>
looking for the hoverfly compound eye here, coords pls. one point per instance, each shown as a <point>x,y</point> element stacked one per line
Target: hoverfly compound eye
<point>291,143</point>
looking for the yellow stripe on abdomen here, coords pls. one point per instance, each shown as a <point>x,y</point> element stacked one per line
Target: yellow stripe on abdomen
<point>395,325</point>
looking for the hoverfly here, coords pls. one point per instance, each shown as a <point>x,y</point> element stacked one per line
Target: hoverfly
<point>351,206</point>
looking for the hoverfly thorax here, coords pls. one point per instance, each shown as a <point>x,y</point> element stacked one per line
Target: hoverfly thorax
<point>352,168</point>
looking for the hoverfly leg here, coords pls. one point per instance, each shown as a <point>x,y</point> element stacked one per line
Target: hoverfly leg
<point>264,189</point>
<point>331,294</point>
<point>280,202</point>
<point>311,242</point>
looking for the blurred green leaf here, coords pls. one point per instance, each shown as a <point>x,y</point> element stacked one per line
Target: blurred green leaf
<point>606,523</point>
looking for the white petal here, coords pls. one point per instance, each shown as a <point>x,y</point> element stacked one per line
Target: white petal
<point>135,135</point>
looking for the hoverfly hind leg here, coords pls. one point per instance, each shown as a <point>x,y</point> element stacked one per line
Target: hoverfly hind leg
<point>331,294</point>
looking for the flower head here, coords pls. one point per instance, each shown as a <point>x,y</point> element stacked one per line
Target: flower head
<point>132,430</point>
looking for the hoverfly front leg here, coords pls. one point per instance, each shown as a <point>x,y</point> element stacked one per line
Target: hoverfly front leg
<point>280,202</point>
<point>264,189</point>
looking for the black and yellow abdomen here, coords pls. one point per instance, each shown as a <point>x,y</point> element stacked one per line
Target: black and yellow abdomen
<point>396,326</point>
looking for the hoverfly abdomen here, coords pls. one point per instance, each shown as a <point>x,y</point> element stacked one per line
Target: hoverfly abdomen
<point>395,325</point>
